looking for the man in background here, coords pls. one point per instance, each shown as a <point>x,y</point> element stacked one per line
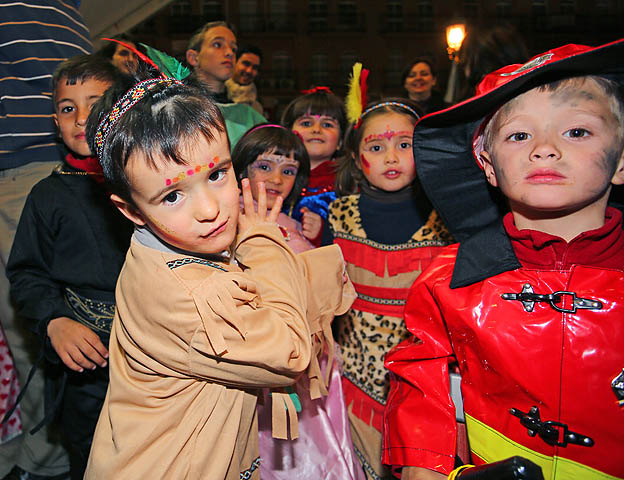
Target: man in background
<point>241,87</point>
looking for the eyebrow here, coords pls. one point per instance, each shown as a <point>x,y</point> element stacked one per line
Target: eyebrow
<point>169,188</point>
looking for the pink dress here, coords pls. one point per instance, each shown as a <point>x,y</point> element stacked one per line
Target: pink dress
<point>324,448</point>
<point>9,389</point>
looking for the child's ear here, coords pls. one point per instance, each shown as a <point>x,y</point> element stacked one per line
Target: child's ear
<point>488,168</point>
<point>129,211</point>
<point>191,57</point>
<point>618,176</point>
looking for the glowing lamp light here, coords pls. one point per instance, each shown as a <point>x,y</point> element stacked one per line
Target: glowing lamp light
<point>455,35</point>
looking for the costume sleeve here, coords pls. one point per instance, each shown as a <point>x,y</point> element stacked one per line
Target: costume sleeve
<point>419,419</point>
<point>37,296</point>
<point>244,329</point>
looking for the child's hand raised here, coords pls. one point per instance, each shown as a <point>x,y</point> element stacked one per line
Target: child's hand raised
<point>311,223</point>
<point>252,216</point>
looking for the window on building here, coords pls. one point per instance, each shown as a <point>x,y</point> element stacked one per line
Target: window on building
<point>282,70</point>
<point>424,15</point>
<point>249,18</point>
<point>394,15</point>
<point>393,69</point>
<point>345,67</point>
<point>470,8</point>
<point>211,10</point>
<point>181,8</point>
<point>279,14</point>
<point>319,70</point>
<point>538,7</point>
<point>347,13</point>
<point>567,7</point>
<point>503,8</point>
<point>318,15</point>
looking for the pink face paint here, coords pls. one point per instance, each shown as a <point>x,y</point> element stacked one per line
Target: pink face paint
<point>387,135</point>
<point>192,171</point>
<point>365,164</point>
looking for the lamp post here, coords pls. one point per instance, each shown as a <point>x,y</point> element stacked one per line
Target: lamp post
<point>455,35</point>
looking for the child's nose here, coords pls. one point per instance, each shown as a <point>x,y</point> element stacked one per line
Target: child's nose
<point>206,206</point>
<point>391,157</point>
<point>81,116</point>
<point>545,149</point>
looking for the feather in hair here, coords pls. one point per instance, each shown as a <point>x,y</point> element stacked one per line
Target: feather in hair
<point>167,64</point>
<point>356,97</point>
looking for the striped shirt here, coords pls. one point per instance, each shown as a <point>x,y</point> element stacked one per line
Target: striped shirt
<point>35,36</point>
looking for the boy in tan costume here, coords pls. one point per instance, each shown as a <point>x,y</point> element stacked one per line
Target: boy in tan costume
<point>211,305</point>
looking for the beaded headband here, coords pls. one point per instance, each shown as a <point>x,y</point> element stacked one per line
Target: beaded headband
<point>125,103</point>
<point>388,104</point>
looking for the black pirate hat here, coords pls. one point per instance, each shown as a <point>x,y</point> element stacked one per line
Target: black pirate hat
<point>445,141</point>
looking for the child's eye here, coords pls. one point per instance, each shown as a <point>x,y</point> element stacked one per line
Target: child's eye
<point>217,175</point>
<point>329,125</point>
<point>67,109</point>
<point>518,137</point>
<point>291,172</point>
<point>405,145</point>
<point>375,148</point>
<point>217,44</point>
<point>172,198</point>
<point>577,133</point>
<point>305,123</point>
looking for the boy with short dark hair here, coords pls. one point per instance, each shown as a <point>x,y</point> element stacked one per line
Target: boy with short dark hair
<point>530,306</point>
<point>212,304</point>
<point>69,248</point>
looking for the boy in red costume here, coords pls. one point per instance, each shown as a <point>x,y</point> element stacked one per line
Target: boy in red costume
<point>529,307</point>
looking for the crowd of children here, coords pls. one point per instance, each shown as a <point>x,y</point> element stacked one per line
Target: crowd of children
<point>192,325</point>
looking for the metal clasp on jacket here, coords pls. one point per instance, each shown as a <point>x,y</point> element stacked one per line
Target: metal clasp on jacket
<point>553,433</point>
<point>555,300</point>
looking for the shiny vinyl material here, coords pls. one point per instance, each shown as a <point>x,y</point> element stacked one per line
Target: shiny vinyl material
<point>563,363</point>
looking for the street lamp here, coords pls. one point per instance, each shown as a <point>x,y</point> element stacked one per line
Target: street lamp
<point>455,35</point>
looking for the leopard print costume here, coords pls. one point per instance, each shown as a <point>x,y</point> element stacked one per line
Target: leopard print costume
<point>382,275</point>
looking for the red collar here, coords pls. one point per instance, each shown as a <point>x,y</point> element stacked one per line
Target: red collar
<point>91,165</point>
<point>602,247</point>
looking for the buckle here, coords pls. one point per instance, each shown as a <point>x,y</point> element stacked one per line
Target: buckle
<point>555,300</point>
<point>553,433</point>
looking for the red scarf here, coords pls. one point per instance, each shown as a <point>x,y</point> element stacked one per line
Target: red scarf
<point>602,247</point>
<point>91,165</point>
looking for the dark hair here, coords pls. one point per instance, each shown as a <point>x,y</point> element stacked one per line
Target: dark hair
<point>83,67</point>
<point>483,52</point>
<point>195,42</point>
<point>249,49</point>
<point>281,141</point>
<point>109,48</point>
<point>317,103</point>
<point>348,175</point>
<point>424,59</point>
<point>158,125</point>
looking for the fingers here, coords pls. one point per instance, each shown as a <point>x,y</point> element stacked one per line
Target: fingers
<point>247,197</point>
<point>262,201</point>
<point>275,211</point>
<point>77,345</point>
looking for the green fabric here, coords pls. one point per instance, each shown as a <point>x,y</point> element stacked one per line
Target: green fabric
<point>239,118</point>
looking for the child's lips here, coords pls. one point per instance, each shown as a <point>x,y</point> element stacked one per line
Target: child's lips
<point>216,231</point>
<point>545,175</point>
<point>392,174</point>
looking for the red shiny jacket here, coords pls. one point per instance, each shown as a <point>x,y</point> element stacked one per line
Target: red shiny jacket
<point>512,355</point>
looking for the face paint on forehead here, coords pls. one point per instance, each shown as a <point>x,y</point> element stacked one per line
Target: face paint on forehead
<point>192,171</point>
<point>387,135</point>
<point>279,159</point>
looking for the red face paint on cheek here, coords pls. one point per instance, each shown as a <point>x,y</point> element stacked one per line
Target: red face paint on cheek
<point>365,164</point>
